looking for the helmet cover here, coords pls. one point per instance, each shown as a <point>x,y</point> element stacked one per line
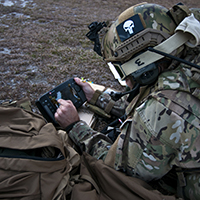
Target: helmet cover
<point>135,29</point>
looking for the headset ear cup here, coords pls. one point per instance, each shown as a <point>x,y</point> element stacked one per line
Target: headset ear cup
<point>147,75</point>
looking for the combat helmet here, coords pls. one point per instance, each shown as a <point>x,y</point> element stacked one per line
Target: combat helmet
<point>140,39</point>
<point>137,28</point>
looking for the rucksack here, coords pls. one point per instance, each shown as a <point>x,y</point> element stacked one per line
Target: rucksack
<point>37,162</point>
<point>35,159</point>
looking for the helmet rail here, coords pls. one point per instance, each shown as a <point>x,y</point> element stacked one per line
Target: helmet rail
<point>142,40</point>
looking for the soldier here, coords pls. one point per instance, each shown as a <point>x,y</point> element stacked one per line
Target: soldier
<point>156,50</point>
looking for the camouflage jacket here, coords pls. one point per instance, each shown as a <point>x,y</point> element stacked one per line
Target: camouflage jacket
<point>161,131</point>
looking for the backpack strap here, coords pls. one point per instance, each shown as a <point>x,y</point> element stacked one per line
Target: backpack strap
<point>181,182</point>
<point>181,179</point>
<point>195,75</point>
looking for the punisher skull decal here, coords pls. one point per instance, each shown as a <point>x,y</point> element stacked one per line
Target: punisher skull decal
<point>129,27</point>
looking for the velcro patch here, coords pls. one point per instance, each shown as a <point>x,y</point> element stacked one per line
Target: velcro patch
<point>129,27</point>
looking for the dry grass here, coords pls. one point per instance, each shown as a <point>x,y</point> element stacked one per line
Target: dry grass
<point>44,43</point>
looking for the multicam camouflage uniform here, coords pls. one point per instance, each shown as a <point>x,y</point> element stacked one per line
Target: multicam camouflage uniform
<point>161,131</point>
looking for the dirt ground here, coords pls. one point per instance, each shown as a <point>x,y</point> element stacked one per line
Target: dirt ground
<point>43,43</point>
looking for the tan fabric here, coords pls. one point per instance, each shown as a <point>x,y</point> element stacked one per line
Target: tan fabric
<point>112,184</point>
<point>179,12</point>
<point>190,25</point>
<point>95,97</point>
<point>110,157</point>
<point>109,106</point>
<point>32,176</point>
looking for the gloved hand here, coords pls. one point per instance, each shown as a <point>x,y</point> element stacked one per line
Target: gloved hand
<point>190,25</point>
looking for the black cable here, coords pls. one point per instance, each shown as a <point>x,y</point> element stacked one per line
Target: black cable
<point>117,95</point>
<point>173,57</point>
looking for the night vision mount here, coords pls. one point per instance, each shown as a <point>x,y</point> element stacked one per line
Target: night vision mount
<point>93,35</point>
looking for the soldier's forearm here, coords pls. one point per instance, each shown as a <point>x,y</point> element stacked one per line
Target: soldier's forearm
<point>90,141</point>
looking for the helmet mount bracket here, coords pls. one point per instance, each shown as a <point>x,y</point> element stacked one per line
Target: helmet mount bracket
<point>93,35</point>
